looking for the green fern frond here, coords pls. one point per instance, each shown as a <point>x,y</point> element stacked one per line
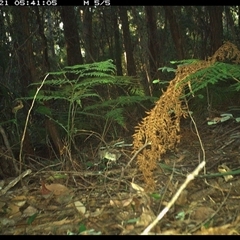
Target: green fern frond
<point>131,84</point>
<point>95,74</point>
<point>42,98</point>
<point>72,92</point>
<point>51,82</point>
<point>119,101</point>
<point>91,82</point>
<point>219,71</point>
<point>104,66</point>
<point>116,115</point>
<point>129,100</point>
<point>236,86</point>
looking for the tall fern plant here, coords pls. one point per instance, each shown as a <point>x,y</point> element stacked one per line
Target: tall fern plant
<point>67,95</point>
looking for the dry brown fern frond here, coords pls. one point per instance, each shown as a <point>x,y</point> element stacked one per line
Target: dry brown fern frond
<point>228,51</point>
<point>161,127</point>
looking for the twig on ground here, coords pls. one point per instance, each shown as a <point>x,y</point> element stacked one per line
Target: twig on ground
<point>189,178</point>
<point>6,142</point>
<point>136,153</point>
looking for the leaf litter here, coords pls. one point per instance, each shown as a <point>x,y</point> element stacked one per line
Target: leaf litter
<point>114,201</point>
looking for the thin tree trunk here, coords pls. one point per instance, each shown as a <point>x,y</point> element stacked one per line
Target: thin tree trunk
<point>175,31</point>
<point>87,34</point>
<point>131,67</point>
<point>24,52</point>
<point>153,41</point>
<point>231,23</point>
<point>117,46</point>
<point>70,26</point>
<point>50,126</point>
<point>45,62</point>
<point>216,27</point>
<point>143,52</point>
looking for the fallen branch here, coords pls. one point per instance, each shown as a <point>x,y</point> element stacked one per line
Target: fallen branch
<point>189,178</point>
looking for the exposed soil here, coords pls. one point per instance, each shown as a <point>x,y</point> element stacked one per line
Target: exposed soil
<point>100,199</point>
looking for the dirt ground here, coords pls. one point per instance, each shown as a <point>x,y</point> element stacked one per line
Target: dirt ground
<point>106,198</point>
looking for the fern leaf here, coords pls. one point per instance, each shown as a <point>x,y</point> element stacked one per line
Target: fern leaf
<point>116,115</point>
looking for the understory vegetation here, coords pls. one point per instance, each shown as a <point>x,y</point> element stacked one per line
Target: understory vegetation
<point>119,120</point>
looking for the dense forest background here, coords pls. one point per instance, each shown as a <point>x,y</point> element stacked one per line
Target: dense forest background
<point>139,40</point>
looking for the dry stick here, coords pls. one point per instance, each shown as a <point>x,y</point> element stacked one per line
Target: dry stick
<point>26,123</point>
<point>6,142</point>
<point>137,152</point>
<point>198,135</point>
<point>189,178</point>
<point>130,161</point>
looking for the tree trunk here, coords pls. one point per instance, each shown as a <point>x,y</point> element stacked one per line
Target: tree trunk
<point>50,126</point>
<point>230,22</point>
<point>23,46</point>
<point>117,46</point>
<point>71,36</point>
<point>131,67</point>
<point>216,27</point>
<point>153,41</point>
<point>175,31</point>
<point>239,17</point>
<point>49,34</point>
<point>87,34</point>
<point>143,52</point>
<point>45,63</point>
<point>24,53</point>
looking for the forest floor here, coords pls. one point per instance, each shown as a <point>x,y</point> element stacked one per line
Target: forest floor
<point>112,201</point>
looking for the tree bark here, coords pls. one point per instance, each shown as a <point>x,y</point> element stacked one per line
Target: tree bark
<point>117,46</point>
<point>50,126</point>
<point>175,31</point>
<point>131,67</point>
<point>23,46</point>
<point>88,35</point>
<point>216,27</point>
<point>45,63</point>
<point>71,36</point>
<point>153,41</point>
<point>24,52</point>
<point>231,24</point>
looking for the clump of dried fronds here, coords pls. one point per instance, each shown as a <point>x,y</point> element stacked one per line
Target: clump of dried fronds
<point>161,127</point>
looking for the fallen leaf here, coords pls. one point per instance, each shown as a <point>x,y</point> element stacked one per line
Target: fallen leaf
<point>202,213</point>
<point>46,193</point>
<point>137,187</point>
<point>57,189</point>
<point>19,200</point>
<point>29,211</point>
<point>222,230</point>
<point>80,207</point>
<point>146,218</point>
<point>13,210</point>
<point>64,198</point>
<point>122,203</point>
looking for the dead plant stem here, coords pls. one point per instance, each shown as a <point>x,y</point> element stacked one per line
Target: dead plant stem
<point>189,178</point>
<point>6,142</point>
<point>136,153</point>
<point>26,123</point>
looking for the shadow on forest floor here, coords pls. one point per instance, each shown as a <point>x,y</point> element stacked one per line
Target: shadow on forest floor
<point>103,202</point>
